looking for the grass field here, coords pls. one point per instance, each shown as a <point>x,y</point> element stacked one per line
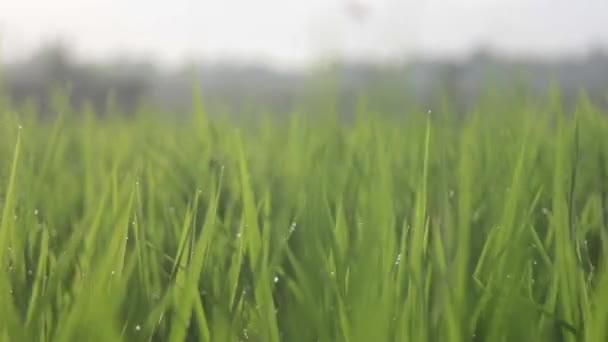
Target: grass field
<point>422,226</point>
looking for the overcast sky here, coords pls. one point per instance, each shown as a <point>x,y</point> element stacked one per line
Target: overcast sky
<point>294,33</point>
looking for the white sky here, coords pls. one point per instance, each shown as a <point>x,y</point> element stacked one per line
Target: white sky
<point>293,33</point>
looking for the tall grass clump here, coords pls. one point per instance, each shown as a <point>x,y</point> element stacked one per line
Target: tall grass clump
<point>422,226</point>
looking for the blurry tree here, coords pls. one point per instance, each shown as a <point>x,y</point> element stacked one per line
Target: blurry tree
<point>53,66</point>
<point>239,89</point>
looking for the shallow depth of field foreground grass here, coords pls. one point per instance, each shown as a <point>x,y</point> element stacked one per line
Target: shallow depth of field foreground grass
<point>490,226</point>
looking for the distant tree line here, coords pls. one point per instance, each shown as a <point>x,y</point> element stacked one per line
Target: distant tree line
<point>235,88</point>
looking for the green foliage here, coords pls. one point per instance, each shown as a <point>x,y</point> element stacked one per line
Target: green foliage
<point>422,227</point>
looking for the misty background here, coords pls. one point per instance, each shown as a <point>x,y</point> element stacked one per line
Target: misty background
<point>275,54</point>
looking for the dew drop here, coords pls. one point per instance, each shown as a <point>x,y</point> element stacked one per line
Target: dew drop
<point>138,327</point>
<point>36,212</point>
<point>276,279</point>
<point>398,259</point>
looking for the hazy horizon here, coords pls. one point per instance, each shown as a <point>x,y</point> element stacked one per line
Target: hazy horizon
<point>295,34</point>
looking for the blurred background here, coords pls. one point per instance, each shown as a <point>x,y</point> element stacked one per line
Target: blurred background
<point>274,54</point>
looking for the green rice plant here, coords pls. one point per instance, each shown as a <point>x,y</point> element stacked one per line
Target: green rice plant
<point>417,226</point>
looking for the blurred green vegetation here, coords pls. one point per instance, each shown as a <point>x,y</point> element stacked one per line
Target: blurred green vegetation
<point>414,226</point>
